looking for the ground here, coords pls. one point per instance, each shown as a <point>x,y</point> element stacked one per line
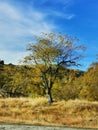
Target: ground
<point>73,113</point>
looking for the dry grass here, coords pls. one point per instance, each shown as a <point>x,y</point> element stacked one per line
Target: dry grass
<point>36,111</point>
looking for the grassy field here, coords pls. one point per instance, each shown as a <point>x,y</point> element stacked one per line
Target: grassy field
<point>74,113</point>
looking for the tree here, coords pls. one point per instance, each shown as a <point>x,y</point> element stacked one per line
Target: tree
<point>16,80</point>
<point>90,83</point>
<point>1,62</point>
<point>49,53</point>
<point>1,73</point>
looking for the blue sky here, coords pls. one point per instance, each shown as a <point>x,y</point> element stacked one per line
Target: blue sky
<point>21,19</point>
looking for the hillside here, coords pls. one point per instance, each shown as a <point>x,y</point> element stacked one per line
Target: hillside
<point>25,81</point>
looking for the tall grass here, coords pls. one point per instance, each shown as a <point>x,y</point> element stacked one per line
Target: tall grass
<point>36,111</point>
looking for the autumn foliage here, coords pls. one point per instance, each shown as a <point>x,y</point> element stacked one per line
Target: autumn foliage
<point>47,72</point>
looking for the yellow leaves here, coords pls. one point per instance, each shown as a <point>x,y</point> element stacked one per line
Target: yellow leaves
<point>36,80</point>
<point>90,84</point>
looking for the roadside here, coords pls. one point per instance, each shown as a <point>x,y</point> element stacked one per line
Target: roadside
<point>30,127</point>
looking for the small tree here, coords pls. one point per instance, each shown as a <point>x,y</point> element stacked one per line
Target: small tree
<point>1,62</point>
<point>49,53</point>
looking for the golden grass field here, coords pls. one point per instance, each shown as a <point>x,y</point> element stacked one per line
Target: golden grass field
<point>74,113</point>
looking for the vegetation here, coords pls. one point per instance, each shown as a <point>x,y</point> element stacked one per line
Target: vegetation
<point>49,54</point>
<point>73,113</point>
<point>45,70</point>
<point>89,89</point>
<point>20,81</point>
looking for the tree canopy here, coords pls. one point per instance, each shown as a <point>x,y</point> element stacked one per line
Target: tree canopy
<point>51,52</point>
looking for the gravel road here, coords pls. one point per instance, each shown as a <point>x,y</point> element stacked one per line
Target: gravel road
<point>29,127</point>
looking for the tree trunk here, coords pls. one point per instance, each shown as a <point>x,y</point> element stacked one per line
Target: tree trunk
<point>50,100</point>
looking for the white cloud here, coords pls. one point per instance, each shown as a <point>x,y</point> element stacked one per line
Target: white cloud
<point>12,56</point>
<point>55,11</point>
<point>70,16</point>
<point>15,28</point>
<point>19,24</point>
<point>63,15</point>
<point>8,11</point>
